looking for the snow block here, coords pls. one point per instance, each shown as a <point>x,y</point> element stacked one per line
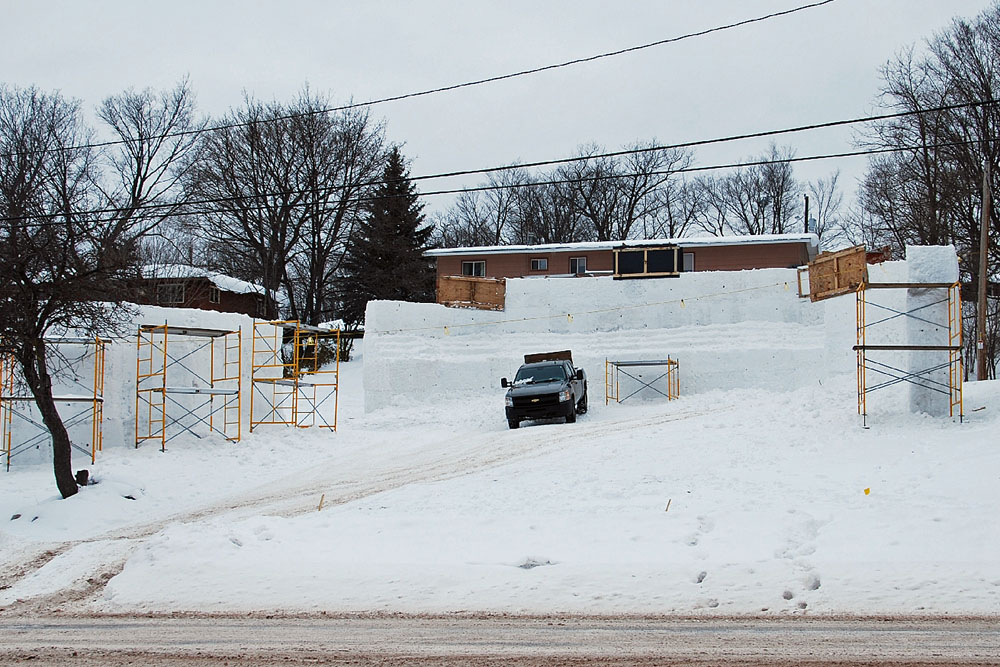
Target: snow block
<point>929,264</point>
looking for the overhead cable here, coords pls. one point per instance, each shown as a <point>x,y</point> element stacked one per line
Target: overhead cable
<point>442,89</point>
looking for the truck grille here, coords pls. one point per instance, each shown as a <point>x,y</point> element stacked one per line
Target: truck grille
<point>545,400</point>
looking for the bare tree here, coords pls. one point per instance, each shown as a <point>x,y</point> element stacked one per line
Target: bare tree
<point>827,200</point>
<point>682,205</point>
<point>650,176</point>
<point>710,217</point>
<point>745,200</point>
<point>547,214</point>
<point>344,156</point>
<point>283,186</point>
<point>781,188</point>
<point>596,197</point>
<point>759,198</point>
<point>71,224</point>
<point>487,216</point>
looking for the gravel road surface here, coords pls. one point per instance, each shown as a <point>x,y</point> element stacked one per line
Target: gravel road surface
<point>478,641</point>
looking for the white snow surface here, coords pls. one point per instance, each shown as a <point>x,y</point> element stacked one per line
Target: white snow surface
<point>758,492</point>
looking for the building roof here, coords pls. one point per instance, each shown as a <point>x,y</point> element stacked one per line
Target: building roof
<point>181,271</point>
<point>685,242</point>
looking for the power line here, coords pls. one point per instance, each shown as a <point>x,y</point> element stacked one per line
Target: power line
<point>707,142</point>
<point>442,89</point>
<point>34,220</point>
<point>529,184</point>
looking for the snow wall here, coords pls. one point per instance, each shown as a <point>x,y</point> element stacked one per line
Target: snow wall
<point>727,329</point>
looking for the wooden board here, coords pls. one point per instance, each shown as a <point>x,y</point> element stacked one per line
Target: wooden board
<point>468,292</point>
<point>562,355</point>
<point>835,273</point>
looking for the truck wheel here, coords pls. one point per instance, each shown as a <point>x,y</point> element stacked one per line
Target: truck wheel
<point>571,417</point>
<point>581,407</point>
<point>513,423</point>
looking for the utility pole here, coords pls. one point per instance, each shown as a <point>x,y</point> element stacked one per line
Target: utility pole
<point>805,218</point>
<point>984,243</point>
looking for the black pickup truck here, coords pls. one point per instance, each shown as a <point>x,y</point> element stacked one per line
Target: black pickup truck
<point>550,387</point>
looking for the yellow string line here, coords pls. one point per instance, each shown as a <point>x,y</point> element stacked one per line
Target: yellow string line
<point>447,328</point>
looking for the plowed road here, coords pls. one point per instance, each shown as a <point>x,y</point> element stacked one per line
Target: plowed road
<point>496,641</point>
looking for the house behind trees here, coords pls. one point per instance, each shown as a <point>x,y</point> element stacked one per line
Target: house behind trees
<point>181,286</point>
<point>723,253</point>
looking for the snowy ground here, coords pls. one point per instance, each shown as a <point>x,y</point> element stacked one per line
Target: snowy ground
<point>440,508</point>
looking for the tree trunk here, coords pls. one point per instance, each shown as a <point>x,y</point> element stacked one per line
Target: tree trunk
<point>36,374</point>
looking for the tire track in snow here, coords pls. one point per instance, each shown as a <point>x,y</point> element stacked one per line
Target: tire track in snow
<point>450,458</point>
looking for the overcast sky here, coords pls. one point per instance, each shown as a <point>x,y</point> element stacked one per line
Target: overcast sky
<point>816,65</point>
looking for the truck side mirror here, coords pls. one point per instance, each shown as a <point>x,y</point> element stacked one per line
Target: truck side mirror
<point>579,374</point>
<point>504,383</point>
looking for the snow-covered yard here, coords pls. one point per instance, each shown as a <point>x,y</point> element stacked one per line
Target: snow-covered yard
<point>758,492</point>
<point>441,509</point>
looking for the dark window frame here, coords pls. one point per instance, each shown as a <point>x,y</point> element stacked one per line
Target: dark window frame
<point>626,258</point>
<point>170,293</point>
<point>473,264</point>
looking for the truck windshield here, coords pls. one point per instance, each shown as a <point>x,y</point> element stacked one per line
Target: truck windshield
<point>540,374</point>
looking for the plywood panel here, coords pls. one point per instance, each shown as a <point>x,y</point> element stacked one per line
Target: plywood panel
<point>462,291</point>
<point>835,273</point>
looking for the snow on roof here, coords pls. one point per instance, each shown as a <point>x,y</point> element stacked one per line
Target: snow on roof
<point>686,242</point>
<point>223,282</point>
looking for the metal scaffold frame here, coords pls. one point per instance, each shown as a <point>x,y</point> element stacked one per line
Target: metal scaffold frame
<point>293,387</point>
<point>919,378</point>
<point>95,398</point>
<point>224,381</point>
<point>613,370</point>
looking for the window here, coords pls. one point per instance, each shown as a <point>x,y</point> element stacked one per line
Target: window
<point>577,265</point>
<point>261,311</point>
<point>214,294</point>
<point>170,293</point>
<point>648,262</point>
<point>540,264</point>
<point>476,269</point>
<point>689,261</point>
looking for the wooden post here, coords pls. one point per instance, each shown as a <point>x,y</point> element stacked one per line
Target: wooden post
<point>984,242</point>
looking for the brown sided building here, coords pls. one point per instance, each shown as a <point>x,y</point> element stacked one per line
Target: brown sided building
<point>722,253</point>
<point>180,286</point>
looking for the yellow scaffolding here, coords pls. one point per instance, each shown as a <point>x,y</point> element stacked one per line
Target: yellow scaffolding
<point>294,387</point>
<point>613,371</point>
<point>891,375</point>
<point>220,388</point>
<point>95,398</point>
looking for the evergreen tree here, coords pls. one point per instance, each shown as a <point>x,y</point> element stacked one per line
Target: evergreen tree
<point>385,259</point>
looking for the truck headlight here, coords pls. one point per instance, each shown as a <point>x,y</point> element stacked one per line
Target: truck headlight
<point>564,395</point>
<point>508,401</point>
